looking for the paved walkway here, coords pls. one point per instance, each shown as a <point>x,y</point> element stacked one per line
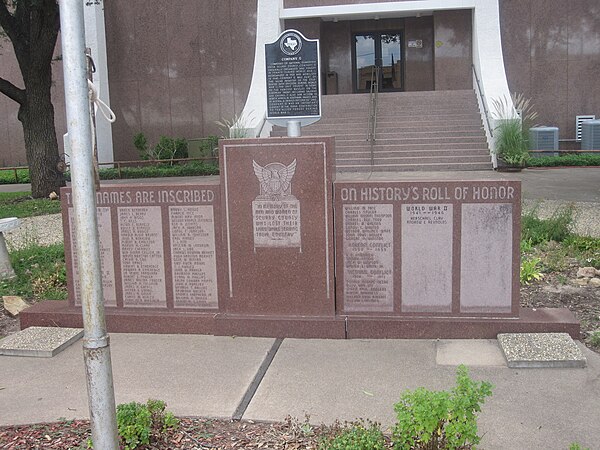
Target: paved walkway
<point>328,379</point>
<point>566,183</point>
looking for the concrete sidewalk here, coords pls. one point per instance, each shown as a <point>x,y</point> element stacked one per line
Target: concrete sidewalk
<point>576,184</point>
<point>328,379</point>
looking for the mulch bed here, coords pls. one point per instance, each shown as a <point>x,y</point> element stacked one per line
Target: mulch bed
<point>192,433</point>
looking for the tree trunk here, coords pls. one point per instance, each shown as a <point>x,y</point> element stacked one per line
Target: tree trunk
<point>41,146</point>
<point>32,27</point>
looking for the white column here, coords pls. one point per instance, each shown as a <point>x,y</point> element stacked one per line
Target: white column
<point>268,28</point>
<point>488,60</point>
<point>95,39</point>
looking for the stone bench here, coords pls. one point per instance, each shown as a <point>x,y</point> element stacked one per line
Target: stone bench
<point>6,270</point>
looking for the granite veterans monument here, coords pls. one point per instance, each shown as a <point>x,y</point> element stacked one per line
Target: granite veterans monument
<point>277,247</point>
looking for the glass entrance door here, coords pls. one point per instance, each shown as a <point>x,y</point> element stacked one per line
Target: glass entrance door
<point>383,50</point>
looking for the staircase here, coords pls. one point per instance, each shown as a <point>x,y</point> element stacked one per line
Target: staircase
<point>426,131</point>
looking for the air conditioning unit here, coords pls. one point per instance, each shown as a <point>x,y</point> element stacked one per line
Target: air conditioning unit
<point>543,138</point>
<point>578,121</point>
<point>590,135</point>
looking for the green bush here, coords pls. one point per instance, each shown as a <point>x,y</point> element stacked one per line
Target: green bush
<point>209,146</point>
<point>557,228</point>
<point>137,422</point>
<point>568,159</point>
<point>166,148</point>
<point>440,419</point>
<point>355,436</point>
<point>134,422</point>
<point>192,168</point>
<point>8,176</point>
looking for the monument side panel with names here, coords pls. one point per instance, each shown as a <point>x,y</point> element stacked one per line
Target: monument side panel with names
<point>163,242</point>
<point>447,235</point>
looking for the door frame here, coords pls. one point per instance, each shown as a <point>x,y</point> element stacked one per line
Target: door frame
<point>378,55</point>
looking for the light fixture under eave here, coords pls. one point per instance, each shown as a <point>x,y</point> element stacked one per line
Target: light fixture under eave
<point>376,17</point>
<point>335,20</point>
<point>418,15</point>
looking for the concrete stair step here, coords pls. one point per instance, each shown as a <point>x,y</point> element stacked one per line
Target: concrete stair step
<point>414,153</point>
<point>433,167</point>
<point>413,160</point>
<point>430,130</point>
<point>414,147</point>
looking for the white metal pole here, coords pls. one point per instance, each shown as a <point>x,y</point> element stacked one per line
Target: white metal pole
<point>96,349</point>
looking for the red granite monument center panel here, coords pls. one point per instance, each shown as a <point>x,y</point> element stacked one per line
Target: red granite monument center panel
<point>278,226</point>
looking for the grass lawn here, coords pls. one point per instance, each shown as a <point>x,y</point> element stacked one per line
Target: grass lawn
<point>20,204</point>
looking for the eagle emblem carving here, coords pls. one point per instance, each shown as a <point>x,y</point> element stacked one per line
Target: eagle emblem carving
<point>275,180</point>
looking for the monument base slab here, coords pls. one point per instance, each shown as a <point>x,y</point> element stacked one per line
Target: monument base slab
<point>55,313</point>
<point>556,320</point>
<point>280,326</point>
<point>542,320</point>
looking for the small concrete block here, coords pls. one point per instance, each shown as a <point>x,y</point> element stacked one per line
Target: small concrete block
<point>471,352</point>
<point>541,350</point>
<point>44,342</point>
<point>14,304</point>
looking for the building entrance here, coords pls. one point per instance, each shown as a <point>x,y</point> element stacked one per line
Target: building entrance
<point>378,49</point>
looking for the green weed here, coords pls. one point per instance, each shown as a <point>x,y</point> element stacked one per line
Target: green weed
<point>576,446</point>
<point>594,339</point>
<point>557,228</point>
<point>440,419</point>
<point>358,435</point>
<point>530,270</point>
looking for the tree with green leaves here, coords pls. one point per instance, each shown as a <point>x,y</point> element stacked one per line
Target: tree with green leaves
<point>32,27</point>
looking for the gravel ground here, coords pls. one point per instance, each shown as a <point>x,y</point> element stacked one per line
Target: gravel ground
<point>42,230</point>
<point>46,230</point>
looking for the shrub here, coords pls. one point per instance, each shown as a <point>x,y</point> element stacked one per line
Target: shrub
<point>134,422</point>
<point>166,148</point>
<point>209,146</point>
<point>568,159</point>
<point>355,436</point>
<point>137,422</point>
<point>440,419</point>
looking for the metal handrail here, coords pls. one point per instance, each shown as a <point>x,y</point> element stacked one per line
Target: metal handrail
<point>483,102</point>
<point>373,111</point>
